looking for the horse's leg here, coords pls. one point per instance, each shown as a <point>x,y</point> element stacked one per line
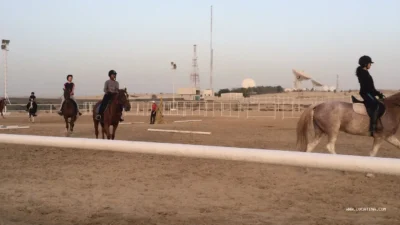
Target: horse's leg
<point>375,147</point>
<point>318,134</point>
<point>96,128</point>
<point>72,123</point>
<point>114,130</point>
<point>103,130</point>
<point>66,125</point>
<point>331,142</point>
<point>393,140</point>
<point>107,130</point>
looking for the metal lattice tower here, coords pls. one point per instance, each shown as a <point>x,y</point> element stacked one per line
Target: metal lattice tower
<point>4,47</point>
<point>194,76</point>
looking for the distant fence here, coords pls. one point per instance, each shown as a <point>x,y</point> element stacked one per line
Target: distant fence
<point>268,107</point>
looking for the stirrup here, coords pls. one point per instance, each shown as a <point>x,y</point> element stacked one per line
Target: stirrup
<point>98,117</point>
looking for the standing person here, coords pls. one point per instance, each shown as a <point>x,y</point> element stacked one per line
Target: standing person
<point>368,91</point>
<point>111,87</point>
<point>153,112</point>
<point>71,88</point>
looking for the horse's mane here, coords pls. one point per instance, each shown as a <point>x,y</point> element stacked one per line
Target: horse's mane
<point>393,99</point>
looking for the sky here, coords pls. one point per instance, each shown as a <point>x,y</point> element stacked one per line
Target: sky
<point>263,40</point>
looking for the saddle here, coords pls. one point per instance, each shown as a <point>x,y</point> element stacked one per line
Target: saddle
<point>34,106</point>
<point>105,108</point>
<point>73,101</point>
<point>359,107</point>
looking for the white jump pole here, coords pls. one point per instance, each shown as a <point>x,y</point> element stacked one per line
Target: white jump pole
<point>185,121</point>
<point>290,158</point>
<point>180,131</point>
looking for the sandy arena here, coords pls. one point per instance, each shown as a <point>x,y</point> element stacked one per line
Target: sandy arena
<point>71,186</point>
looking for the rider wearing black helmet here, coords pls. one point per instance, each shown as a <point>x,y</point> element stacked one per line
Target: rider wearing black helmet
<point>368,91</point>
<point>32,97</point>
<point>111,87</point>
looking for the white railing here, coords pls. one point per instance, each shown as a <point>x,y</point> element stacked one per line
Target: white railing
<point>271,107</point>
<point>389,166</point>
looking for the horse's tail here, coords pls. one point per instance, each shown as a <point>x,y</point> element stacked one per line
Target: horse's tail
<point>305,120</point>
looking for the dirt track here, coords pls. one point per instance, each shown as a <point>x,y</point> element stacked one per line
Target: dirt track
<point>70,186</point>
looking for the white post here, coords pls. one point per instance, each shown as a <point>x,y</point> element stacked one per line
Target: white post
<point>230,108</point>
<point>213,109</point>
<point>173,84</point>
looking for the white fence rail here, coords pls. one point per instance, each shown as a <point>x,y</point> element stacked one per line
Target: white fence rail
<point>271,107</point>
<point>290,158</point>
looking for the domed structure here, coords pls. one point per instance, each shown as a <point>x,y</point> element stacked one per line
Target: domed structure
<point>247,83</point>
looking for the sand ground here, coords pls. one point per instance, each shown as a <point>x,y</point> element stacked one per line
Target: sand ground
<point>71,186</point>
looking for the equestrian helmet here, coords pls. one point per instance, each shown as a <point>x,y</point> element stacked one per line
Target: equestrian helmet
<point>364,60</point>
<point>69,75</point>
<point>112,72</point>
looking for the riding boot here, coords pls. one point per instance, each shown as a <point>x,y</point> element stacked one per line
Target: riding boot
<point>60,110</point>
<point>373,121</point>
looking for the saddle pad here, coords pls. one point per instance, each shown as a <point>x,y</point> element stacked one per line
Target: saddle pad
<point>98,109</point>
<point>360,109</point>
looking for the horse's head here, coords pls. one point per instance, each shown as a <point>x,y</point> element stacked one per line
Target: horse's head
<point>3,102</point>
<point>67,94</point>
<point>123,99</point>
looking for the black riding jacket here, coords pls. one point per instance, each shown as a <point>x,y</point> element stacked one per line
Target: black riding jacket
<point>366,82</point>
<point>32,97</point>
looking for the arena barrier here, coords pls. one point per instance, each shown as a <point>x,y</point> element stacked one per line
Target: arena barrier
<point>289,158</point>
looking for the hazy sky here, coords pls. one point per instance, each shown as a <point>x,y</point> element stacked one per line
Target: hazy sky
<point>262,40</point>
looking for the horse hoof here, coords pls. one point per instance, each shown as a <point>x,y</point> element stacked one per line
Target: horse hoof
<point>370,175</point>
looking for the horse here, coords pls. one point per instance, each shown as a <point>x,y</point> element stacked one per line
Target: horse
<point>31,107</point>
<point>329,118</point>
<point>111,114</point>
<point>3,104</point>
<point>69,111</point>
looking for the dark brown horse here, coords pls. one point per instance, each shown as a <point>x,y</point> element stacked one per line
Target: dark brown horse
<point>112,114</point>
<point>3,104</point>
<point>69,111</point>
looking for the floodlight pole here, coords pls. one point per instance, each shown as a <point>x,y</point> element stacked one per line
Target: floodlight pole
<point>5,76</point>
<point>5,49</point>
<point>173,65</point>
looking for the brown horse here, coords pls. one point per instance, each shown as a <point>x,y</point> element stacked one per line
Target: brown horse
<point>69,111</point>
<point>111,114</point>
<point>3,104</point>
<point>329,118</point>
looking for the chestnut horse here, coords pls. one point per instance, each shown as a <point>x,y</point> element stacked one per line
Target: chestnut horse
<point>3,103</point>
<point>69,111</point>
<point>111,114</point>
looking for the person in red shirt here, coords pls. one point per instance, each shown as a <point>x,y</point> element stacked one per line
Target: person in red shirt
<point>153,112</point>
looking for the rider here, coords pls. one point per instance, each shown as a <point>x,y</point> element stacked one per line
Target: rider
<point>111,87</point>
<point>33,97</point>
<point>368,91</point>
<point>71,87</point>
